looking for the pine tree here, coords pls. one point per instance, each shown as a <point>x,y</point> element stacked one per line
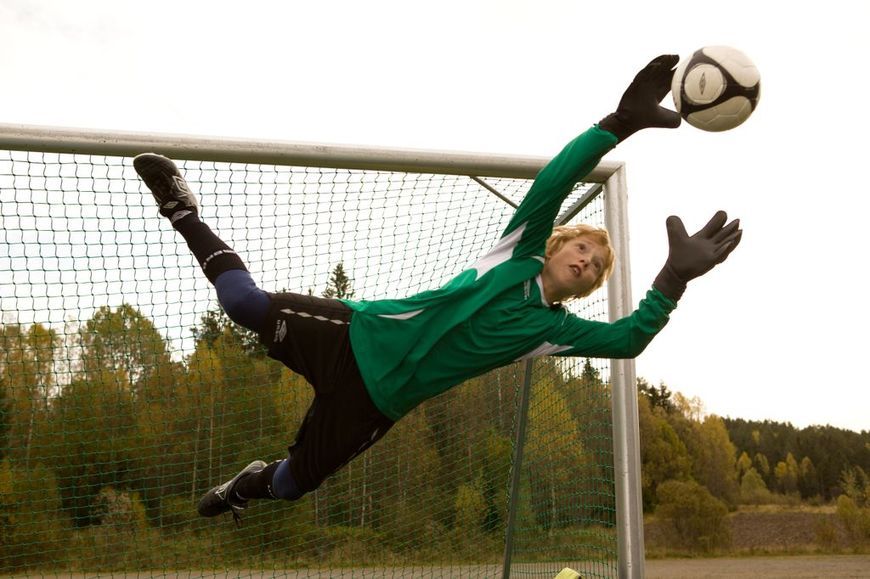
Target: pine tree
<point>339,285</point>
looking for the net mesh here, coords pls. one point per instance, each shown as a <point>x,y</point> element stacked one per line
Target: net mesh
<point>126,393</point>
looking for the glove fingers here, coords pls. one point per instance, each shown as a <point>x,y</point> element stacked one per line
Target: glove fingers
<point>659,64</point>
<point>676,230</point>
<point>724,250</point>
<point>659,70</point>
<point>664,75</point>
<point>639,106</point>
<point>732,239</point>
<point>714,225</point>
<point>726,231</point>
<point>736,241</point>
<point>668,60</point>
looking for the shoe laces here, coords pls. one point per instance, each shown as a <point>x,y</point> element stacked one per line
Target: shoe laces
<point>237,516</point>
<point>236,508</point>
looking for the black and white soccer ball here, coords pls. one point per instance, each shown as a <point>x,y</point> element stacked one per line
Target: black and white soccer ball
<point>716,88</point>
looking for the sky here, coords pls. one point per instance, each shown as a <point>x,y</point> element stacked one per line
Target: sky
<point>778,332</point>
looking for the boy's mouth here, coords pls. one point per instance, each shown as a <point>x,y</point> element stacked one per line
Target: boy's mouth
<point>575,270</point>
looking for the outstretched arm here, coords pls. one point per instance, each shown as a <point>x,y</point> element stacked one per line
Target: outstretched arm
<point>638,109</point>
<point>691,257</point>
<point>688,257</point>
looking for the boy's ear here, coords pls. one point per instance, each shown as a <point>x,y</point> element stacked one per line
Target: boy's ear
<point>548,253</point>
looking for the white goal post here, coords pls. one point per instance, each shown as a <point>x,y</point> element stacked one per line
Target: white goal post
<point>611,180</point>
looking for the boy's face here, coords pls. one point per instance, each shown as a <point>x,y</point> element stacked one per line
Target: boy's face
<point>573,269</point>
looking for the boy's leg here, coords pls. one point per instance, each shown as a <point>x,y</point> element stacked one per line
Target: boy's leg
<point>240,297</point>
<point>342,420</point>
<point>258,480</point>
<point>311,336</point>
<point>242,300</point>
<point>338,427</point>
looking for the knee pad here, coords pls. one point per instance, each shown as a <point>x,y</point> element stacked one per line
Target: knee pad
<point>241,299</point>
<point>283,485</point>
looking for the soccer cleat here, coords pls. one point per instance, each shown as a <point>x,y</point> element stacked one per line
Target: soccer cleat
<point>174,197</point>
<point>221,499</point>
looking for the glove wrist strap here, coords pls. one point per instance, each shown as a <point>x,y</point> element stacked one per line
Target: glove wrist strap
<point>669,283</point>
<point>617,126</point>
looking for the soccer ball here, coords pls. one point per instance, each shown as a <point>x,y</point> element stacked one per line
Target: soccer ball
<point>716,88</point>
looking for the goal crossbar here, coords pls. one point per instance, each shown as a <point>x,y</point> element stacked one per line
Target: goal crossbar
<point>237,150</point>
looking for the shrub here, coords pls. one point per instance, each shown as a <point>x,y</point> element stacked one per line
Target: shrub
<point>470,508</point>
<point>753,491</point>
<point>694,517</point>
<point>121,539</point>
<point>855,519</point>
<point>119,510</point>
<point>827,536</point>
<point>32,526</point>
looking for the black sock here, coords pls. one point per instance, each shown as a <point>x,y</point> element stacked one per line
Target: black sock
<point>257,485</point>
<point>214,256</point>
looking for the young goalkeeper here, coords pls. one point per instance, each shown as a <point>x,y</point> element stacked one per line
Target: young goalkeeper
<point>371,362</point>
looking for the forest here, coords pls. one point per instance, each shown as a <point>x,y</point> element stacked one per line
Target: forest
<point>107,441</point>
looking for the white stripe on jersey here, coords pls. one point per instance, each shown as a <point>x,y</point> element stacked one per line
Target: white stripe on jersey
<point>502,251</point>
<point>545,349</point>
<point>404,316</point>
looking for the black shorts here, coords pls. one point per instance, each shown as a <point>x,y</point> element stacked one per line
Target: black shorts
<point>311,336</point>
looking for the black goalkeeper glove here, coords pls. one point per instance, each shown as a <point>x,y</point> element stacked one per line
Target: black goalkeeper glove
<point>691,257</point>
<point>639,107</point>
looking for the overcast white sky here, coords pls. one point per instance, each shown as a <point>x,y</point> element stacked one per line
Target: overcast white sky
<point>779,331</point>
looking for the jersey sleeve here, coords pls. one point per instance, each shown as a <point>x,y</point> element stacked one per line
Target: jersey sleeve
<point>532,223</point>
<point>624,338</point>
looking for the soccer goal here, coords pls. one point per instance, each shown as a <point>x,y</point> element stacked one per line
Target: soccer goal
<point>125,393</point>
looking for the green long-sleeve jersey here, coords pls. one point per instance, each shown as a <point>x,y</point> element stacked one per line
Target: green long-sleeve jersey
<point>494,312</point>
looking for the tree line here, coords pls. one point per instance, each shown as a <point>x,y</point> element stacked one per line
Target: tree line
<point>697,468</point>
<point>808,463</point>
<point>107,441</point>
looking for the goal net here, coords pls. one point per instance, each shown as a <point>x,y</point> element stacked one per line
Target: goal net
<point>125,393</point>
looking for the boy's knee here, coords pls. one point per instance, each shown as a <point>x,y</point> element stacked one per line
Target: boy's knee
<point>283,484</point>
<point>241,299</point>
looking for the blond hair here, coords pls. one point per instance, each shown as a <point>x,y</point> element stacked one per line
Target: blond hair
<point>565,233</point>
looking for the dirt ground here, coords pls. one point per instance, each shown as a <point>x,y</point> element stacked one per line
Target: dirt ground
<point>769,531</point>
<point>791,567</point>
